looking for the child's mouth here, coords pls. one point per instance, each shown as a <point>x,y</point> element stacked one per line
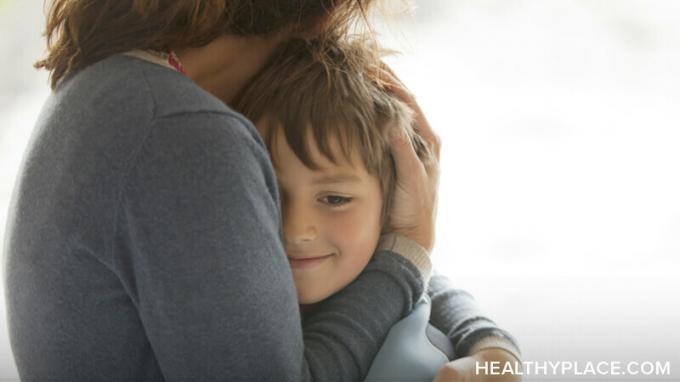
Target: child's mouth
<point>308,262</point>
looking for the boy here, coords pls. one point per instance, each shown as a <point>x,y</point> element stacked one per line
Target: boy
<point>325,116</point>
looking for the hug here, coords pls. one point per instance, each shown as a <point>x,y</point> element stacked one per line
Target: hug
<point>231,190</point>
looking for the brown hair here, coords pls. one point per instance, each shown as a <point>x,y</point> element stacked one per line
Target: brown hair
<point>331,90</point>
<point>82,32</point>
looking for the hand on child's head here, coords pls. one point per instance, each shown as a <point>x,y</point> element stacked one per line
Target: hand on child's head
<point>335,89</point>
<point>414,207</point>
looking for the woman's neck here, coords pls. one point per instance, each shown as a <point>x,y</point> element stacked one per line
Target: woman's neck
<point>224,66</point>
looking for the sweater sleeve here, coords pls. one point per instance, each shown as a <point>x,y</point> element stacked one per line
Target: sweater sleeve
<point>455,312</point>
<point>200,255</point>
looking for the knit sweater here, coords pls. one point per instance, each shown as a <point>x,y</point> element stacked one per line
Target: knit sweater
<point>143,243</point>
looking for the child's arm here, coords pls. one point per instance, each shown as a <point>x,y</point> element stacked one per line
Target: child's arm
<point>474,336</point>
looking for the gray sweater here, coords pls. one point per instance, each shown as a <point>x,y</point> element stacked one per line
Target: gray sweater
<point>143,244</point>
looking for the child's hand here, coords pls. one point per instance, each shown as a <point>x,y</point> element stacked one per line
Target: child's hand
<point>414,207</point>
<point>464,369</point>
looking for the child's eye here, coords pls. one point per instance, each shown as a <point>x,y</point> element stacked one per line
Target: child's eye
<point>335,200</point>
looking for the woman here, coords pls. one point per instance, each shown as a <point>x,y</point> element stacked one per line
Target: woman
<point>143,241</point>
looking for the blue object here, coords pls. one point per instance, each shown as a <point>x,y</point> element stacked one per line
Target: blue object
<point>413,351</point>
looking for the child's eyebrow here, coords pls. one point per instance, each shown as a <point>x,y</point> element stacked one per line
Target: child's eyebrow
<point>337,178</point>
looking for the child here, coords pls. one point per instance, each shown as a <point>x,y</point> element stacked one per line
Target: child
<point>325,116</point>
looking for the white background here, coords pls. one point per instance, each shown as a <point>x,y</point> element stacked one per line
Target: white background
<point>560,122</point>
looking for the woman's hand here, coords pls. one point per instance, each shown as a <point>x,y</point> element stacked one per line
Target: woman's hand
<point>414,207</point>
<point>465,369</point>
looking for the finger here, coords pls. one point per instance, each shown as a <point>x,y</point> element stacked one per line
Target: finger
<point>431,166</point>
<point>435,144</point>
<point>448,374</point>
<point>405,157</point>
<point>399,89</point>
<point>422,126</point>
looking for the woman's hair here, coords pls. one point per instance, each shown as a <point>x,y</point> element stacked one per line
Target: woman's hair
<point>82,32</point>
<point>326,91</point>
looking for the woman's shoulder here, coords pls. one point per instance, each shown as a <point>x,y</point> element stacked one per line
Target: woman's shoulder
<point>132,83</point>
<point>134,97</point>
<point>138,113</point>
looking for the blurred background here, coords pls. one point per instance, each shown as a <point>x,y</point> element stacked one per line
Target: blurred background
<point>560,122</point>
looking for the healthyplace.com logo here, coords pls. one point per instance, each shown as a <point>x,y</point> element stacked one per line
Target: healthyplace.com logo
<point>573,368</point>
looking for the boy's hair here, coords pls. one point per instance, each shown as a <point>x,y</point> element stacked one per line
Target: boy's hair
<point>326,90</point>
<point>82,32</point>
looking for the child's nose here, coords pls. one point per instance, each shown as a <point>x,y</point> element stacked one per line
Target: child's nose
<point>298,225</point>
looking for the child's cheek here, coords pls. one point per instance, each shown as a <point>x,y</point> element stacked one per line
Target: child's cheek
<point>355,232</point>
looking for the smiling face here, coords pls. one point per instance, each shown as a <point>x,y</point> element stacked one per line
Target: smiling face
<point>331,219</point>
<point>318,102</point>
